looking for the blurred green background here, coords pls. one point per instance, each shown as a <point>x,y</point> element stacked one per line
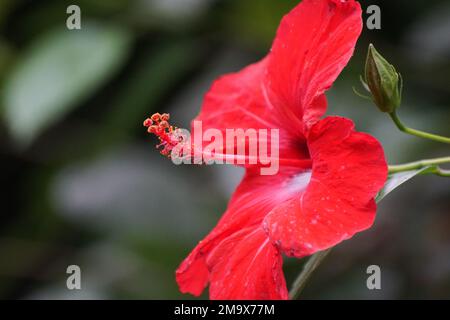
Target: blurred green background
<point>82,183</point>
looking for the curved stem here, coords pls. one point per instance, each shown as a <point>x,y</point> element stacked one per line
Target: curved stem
<point>420,164</point>
<point>310,266</point>
<point>441,172</point>
<point>415,132</point>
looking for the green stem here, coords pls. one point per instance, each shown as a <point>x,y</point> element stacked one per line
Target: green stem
<point>421,164</point>
<point>310,266</point>
<point>441,172</point>
<point>415,132</point>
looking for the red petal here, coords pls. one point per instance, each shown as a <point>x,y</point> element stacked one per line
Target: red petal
<point>247,266</point>
<point>237,101</point>
<point>253,199</point>
<point>285,90</point>
<point>313,44</point>
<point>349,168</point>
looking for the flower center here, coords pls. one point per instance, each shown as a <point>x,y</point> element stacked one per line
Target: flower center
<point>299,182</point>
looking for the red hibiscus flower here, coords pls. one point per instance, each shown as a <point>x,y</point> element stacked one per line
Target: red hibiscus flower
<point>329,173</point>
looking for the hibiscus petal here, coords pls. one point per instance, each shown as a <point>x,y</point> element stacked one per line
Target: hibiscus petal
<point>253,270</point>
<point>255,197</point>
<point>349,168</point>
<point>237,101</point>
<point>313,44</point>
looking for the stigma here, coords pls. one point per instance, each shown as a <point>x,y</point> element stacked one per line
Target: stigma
<point>158,124</point>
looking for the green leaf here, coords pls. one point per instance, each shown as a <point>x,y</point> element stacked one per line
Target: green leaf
<point>61,69</point>
<point>397,179</point>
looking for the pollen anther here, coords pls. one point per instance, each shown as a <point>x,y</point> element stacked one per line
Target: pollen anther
<point>156,117</point>
<point>159,125</point>
<point>148,122</point>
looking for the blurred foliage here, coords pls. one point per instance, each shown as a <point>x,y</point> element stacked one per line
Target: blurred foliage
<point>81,183</point>
<point>57,72</point>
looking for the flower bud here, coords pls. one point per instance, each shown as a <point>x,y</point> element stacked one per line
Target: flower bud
<point>382,81</point>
